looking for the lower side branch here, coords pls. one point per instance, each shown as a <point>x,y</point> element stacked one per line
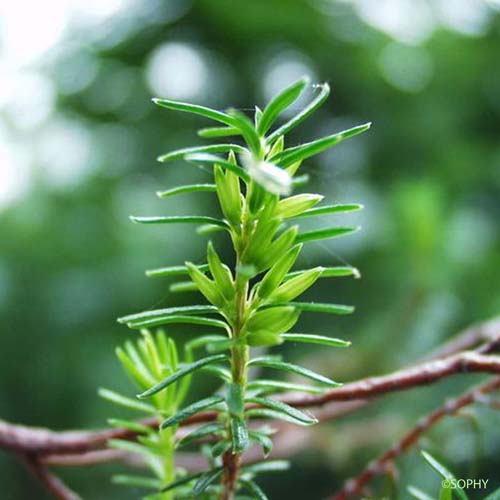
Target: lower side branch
<point>51,482</point>
<point>40,447</point>
<point>379,466</point>
<point>418,375</point>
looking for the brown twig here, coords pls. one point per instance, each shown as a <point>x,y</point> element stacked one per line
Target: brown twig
<point>41,447</point>
<point>379,465</point>
<point>422,374</point>
<point>52,483</point>
<point>91,458</point>
<point>38,441</point>
<point>45,442</point>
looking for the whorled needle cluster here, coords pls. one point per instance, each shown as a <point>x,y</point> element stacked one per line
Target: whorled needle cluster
<point>251,303</point>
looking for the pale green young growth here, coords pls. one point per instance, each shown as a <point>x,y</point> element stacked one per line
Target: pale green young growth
<point>277,273</point>
<point>296,205</point>
<point>220,273</point>
<point>297,285</point>
<point>206,286</point>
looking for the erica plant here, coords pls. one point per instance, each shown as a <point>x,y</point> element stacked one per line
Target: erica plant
<point>251,302</point>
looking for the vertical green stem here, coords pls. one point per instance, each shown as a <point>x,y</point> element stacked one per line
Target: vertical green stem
<point>239,353</point>
<point>239,360</point>
<point>167,439</point>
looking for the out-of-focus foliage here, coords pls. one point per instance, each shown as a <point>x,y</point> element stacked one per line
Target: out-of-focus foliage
<point>79,138</point>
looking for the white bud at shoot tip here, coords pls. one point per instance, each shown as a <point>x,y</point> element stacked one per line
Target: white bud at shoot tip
<point>356,274</point>
<point>271,177</point>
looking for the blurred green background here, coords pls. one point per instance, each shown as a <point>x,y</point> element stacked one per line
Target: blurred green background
<point>78,142</point>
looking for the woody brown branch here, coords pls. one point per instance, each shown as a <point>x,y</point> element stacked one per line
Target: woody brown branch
<point>422,374</point>
<point>40,447</point>
<point>378,466</point>
<point>51,483</point>
<point>43,442</point>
